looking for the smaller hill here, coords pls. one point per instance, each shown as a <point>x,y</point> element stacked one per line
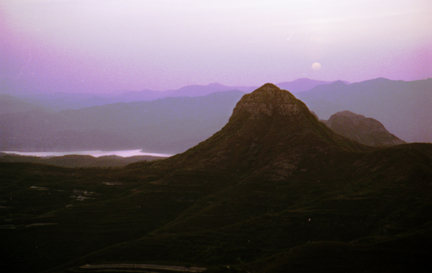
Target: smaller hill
<point>365,130</point>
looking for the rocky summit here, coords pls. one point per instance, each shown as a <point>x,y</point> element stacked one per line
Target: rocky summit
<point>269,100</point>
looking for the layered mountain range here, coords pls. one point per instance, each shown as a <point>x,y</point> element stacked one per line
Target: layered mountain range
<point>174,124</point>
<point>403,107</point>
<point>57,100</point>
<point>274,190</point>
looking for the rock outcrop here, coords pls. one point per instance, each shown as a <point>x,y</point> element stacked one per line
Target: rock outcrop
<point>268,100</point>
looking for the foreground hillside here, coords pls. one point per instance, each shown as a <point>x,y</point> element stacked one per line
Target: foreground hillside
<point>274,190</point>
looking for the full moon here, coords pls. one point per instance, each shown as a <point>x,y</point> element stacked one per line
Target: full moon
<point>316,66</point>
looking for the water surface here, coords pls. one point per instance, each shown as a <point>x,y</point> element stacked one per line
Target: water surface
<point>95,153</point>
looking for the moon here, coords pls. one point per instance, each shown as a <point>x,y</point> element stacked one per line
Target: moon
<point>290,36</point>
<point>316,66</point>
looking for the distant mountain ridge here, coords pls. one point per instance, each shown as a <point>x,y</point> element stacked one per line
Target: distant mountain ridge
<point>403,107</point>
<point>301,85</point>
<point>186,91</point>
<point>63,100</point>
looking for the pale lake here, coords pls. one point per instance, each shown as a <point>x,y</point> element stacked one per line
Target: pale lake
<point>96,153</point>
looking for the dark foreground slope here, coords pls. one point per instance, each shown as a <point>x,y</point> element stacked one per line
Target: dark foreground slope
<point>274,191</point>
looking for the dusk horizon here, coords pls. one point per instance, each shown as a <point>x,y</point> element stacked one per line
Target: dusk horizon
<point>108,46</point>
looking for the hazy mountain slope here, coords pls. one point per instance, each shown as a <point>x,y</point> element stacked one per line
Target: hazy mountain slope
<point>10,104</point>
<point>201,90</point>
<point>38,131</point>
<point>159,125</point>
<point>368,131</point>
<point>143,95</point>
<point>170,125</point>
<point>274,190</point>
<point>300,85</point>
<point>403,107</point>
<point>62,101</point>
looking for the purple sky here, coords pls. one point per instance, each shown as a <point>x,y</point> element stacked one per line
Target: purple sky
<point>83,45</point>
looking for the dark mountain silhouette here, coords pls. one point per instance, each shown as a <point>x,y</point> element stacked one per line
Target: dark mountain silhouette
<point>368,131</point>
<point>301,85</point>
<point>274,190</point>
<point>403,107</point>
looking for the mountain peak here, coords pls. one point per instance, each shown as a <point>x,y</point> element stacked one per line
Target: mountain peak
<point>268,100</point>
<point>268,123</point>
